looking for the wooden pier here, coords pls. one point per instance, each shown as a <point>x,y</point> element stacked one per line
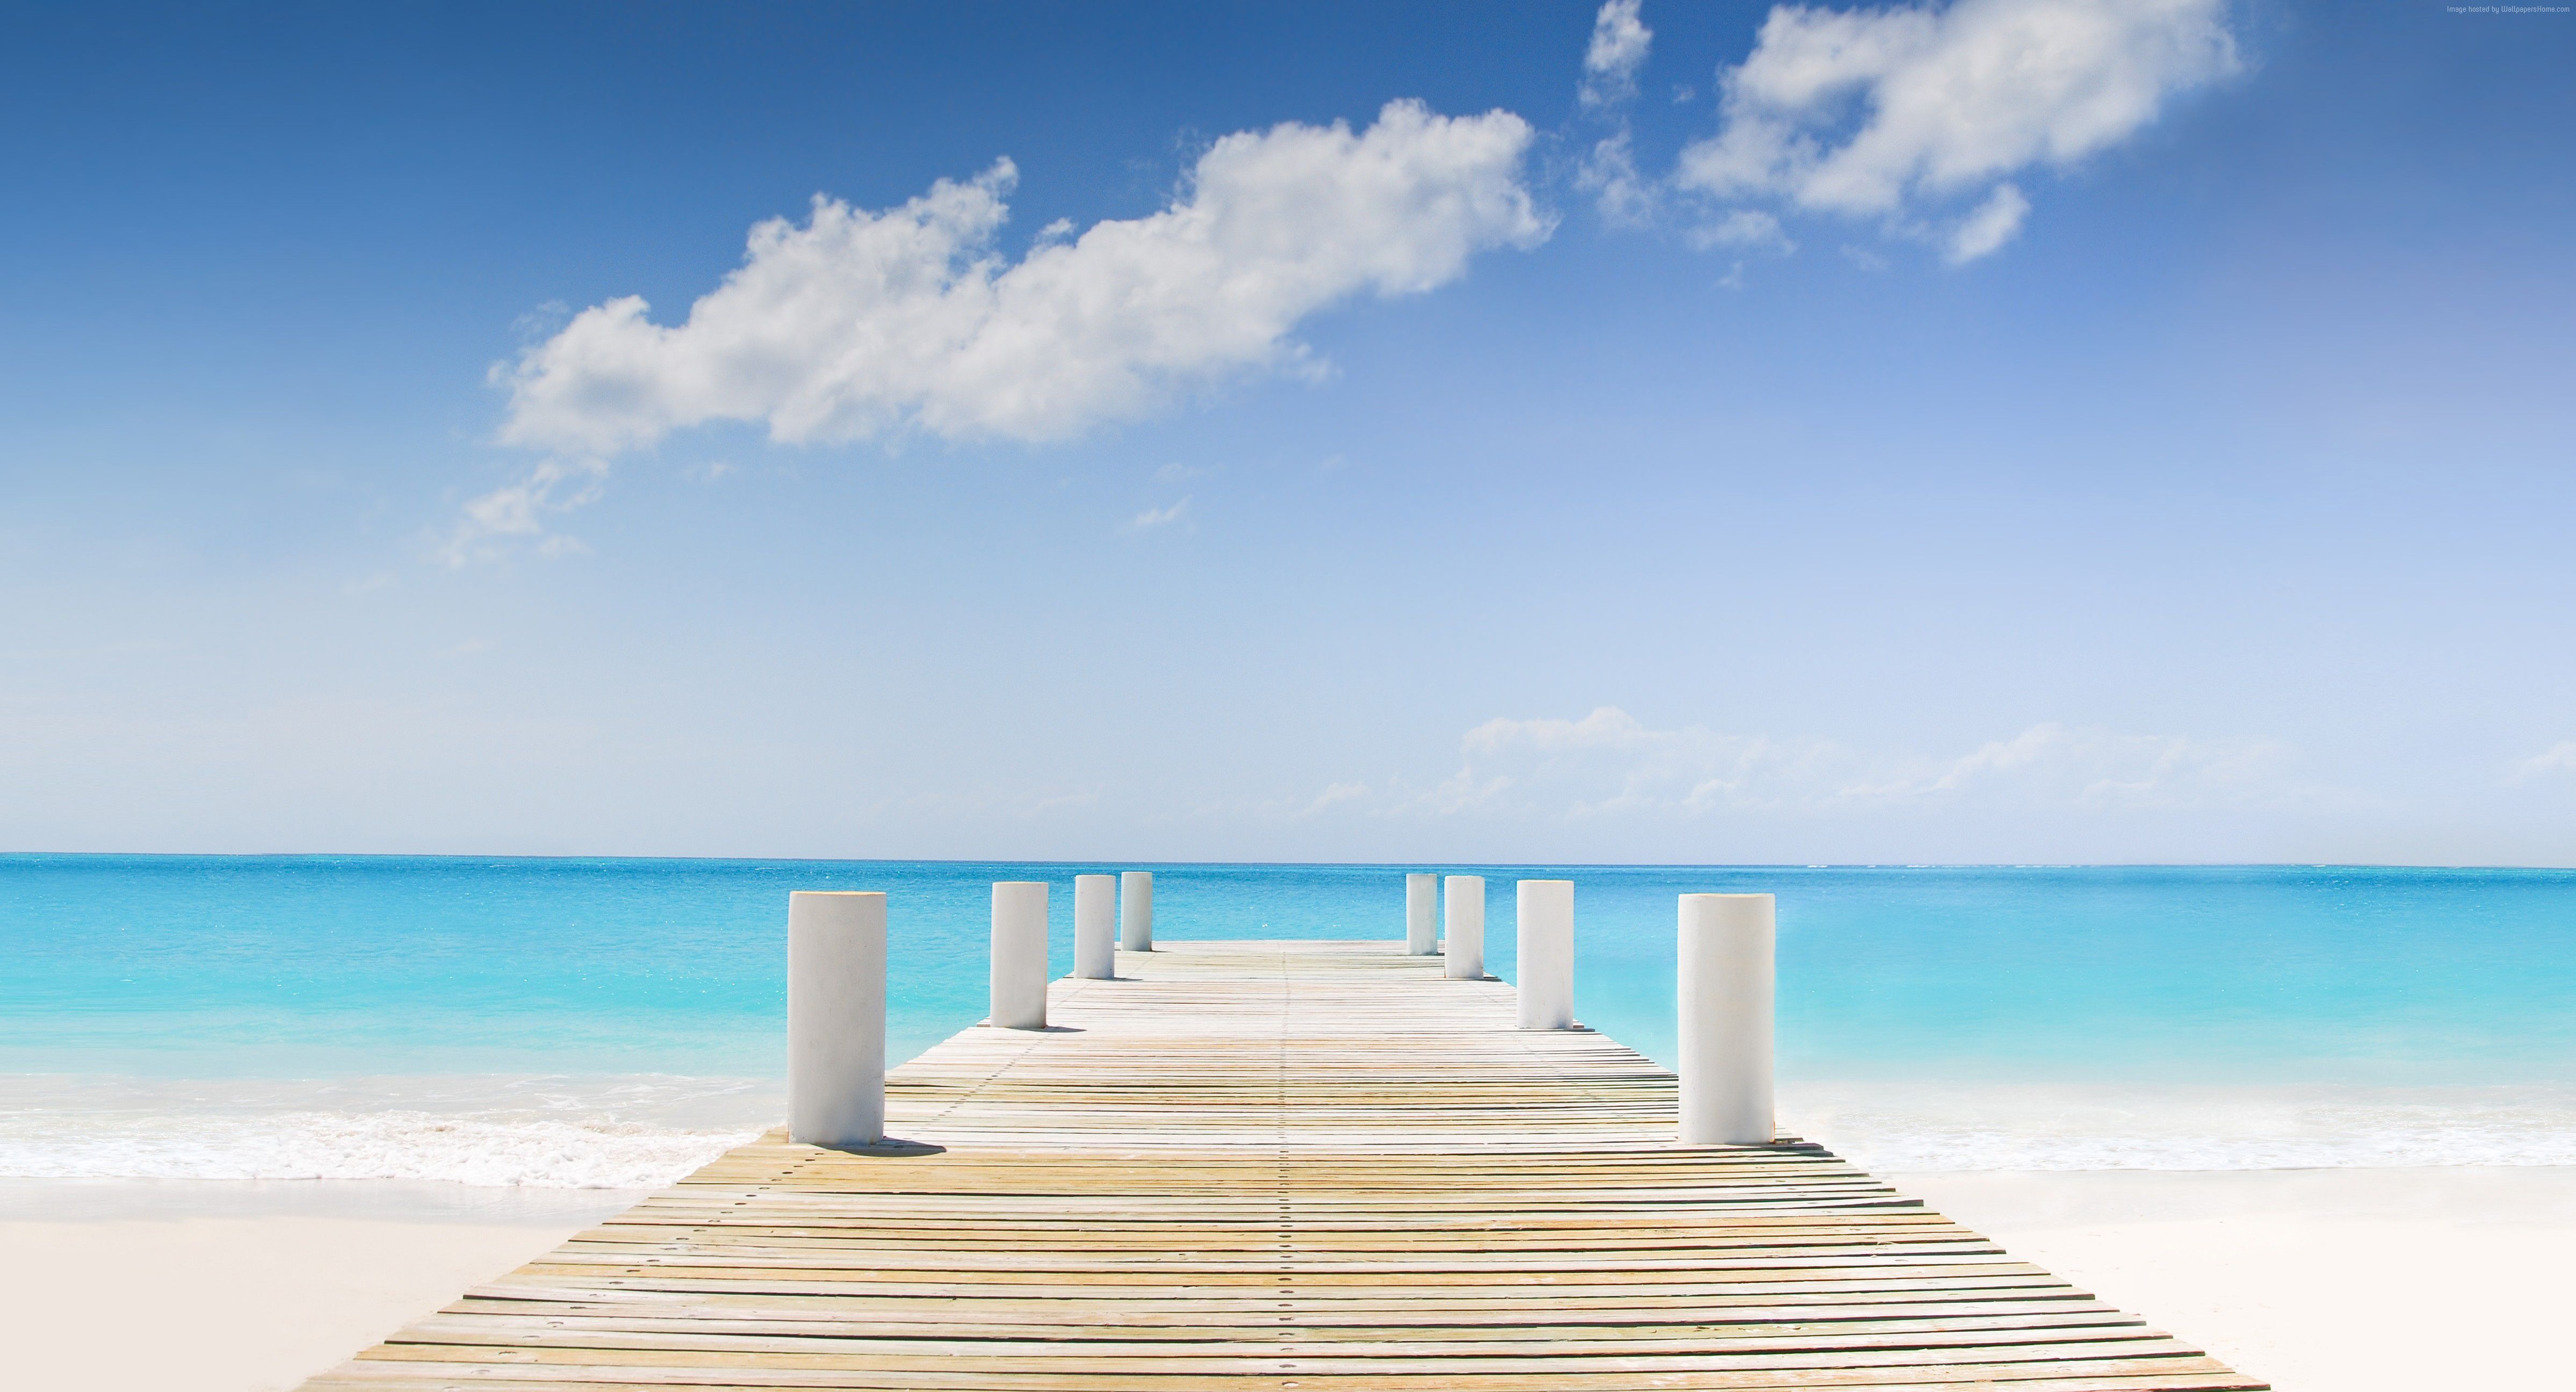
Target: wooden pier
<point>1306,1165</point>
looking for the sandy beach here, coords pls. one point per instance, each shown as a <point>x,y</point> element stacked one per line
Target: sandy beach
<point>2320,1280</point>
<point>246,1287</point>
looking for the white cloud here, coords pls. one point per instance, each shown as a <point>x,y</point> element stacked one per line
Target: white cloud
<point>1605,762</point>
<point>1151,518</point>
<point>854,324</point>
<point>2071,766</point>
<point>1608,172</point>
<point>1609,762</point>
<point>2556,759</point>
<point>1995,222</point>
<point>1743,227</point>
<point>541,321</point>
<point>518,512</point>
<point>1900,113</point>
<point>1620,41</point>
<point>1337,793</point>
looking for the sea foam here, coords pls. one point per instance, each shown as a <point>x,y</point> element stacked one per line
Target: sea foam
<point>552,1132</point>
<point>648,1131</point>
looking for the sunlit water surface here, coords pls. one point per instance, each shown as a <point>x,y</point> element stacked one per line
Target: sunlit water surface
<point>614,1022</point>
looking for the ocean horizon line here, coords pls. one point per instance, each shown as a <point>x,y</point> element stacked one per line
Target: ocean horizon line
<point>1435,864</point>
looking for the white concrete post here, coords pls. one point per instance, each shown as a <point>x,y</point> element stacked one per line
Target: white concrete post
<point>1421,925</point>
<point>1095,926</point>
<point>1136,910</point>
<point>1546,990</point>
<point>1019,954</point>
<point>1726,977</point>
<point>1465,922</point>
<point>836,1012</point>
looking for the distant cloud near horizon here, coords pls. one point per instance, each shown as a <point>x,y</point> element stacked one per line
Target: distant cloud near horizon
<point>1610,763</point>
<point>2557,758</point>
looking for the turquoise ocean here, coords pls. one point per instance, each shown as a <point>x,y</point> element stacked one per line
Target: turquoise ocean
<point>613,1022</point>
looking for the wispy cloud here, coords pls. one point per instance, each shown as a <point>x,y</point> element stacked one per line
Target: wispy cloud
<point>1744,227</point>
<point>542,321</point>
<point>1608,762</point>
<point>1152,518</point>
<point>1995,222</point>
<point>2559,758</point>
<point>1608,171</point>
<point>1337,793</point>
<point>1623,196</point>
<point>518,512</point>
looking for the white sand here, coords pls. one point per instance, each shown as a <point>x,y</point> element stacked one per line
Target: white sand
<point>2321,1280</point>
<point>2318,1280</point>
<point>244,1287</point>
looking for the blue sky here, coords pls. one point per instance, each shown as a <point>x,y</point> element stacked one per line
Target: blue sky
<point>2025,430</point>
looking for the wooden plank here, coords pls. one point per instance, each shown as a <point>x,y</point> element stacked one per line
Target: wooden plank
<point>1312,1166</point>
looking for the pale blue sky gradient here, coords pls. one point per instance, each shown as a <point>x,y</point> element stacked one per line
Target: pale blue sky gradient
<point>2222,514</point>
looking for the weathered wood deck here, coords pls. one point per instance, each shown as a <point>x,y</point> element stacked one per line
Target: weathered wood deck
<point>1316,1166</point>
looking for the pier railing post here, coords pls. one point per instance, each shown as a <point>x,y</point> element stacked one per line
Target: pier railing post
<point>836,1012</point>
<point>1421,918</point>
<point>1463,915</point>
<point>1546,989</point>
<point>1095,926</point>
<point>1136,910</point>
<point>1019,954</point>
<point>1726,989</point>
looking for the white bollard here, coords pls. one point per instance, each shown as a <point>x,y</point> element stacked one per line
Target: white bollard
<point>836,1013</point>
<point>1019,954</point>
<point>1726,976</point>
<point>1546,990</point>
<point>1421,923</point>
<point>1465,922</point>
<point>1095,926</point>
<point>1136,910</point>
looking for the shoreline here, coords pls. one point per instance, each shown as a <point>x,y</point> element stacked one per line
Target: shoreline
<point>252,1286</point>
